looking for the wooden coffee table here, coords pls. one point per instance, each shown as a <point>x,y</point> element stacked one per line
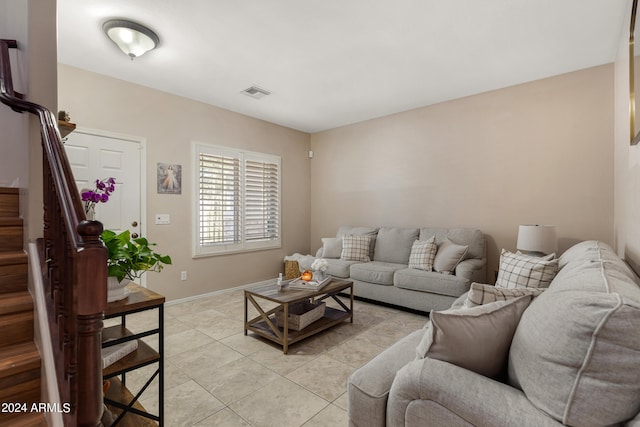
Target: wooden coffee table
<point>265,324</point>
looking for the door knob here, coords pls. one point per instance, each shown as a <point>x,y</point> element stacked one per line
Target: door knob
<point>134,235</point>
<point>134,224</point>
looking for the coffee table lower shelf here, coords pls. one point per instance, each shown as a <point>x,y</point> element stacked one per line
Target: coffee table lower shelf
<point>331,317</point>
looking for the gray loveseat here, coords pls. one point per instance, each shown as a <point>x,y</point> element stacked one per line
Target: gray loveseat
<point>574,360</point>
<point>387,277</point>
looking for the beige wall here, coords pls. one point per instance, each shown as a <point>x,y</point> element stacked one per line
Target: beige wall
<point>627,163</point>
<point>33,25</point>
<point>42,78</point>
<point>169,123</point>
<point>14,171</point>
<point>540,152</point>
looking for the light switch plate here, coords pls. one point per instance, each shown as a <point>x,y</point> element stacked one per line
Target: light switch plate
<point>163,219</point>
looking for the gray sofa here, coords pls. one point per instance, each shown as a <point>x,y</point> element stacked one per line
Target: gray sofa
<point>387,277</point>
<point>574,360</point>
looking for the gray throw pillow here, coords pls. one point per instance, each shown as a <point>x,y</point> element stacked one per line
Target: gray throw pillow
<point>331,247</point>
<point>449,256</point>
<point>477,339</point>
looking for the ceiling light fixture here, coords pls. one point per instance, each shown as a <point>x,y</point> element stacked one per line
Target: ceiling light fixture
<point>132,38</point>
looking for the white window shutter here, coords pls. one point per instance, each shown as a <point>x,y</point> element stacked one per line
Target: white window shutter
<point>219,200</point>
<point>238,201</point>
<point>261,201</point>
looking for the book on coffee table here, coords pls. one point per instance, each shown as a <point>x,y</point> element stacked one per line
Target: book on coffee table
<point>311,285</point>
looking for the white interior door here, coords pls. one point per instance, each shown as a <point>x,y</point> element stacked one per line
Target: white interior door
<point>99,155</point>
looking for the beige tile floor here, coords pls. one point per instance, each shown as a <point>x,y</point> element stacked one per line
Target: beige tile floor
<point>216,376</point>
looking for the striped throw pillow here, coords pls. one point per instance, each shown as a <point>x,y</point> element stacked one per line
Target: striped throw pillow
<point>481,294</point>
<point>356,248</point>
<point>423,252</point>
<point>525,271</point>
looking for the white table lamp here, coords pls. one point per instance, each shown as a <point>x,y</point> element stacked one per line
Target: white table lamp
<point>537,239</point>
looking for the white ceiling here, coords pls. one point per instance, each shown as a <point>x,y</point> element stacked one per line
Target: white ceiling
<point>333,62</point>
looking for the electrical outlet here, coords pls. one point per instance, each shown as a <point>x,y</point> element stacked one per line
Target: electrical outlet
<point>183,275</point>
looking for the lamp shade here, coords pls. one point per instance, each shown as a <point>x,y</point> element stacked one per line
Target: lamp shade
<point>537,238</point>
<point>132,38</point>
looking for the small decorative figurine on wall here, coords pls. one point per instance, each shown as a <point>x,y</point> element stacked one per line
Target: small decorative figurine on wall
<point>169,178</point>
<point>64,116</point>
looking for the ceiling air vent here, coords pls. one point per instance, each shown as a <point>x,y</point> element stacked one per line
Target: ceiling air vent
<point>256,92</point>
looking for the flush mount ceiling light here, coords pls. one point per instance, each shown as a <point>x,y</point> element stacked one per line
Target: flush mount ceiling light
<point>132,38</point>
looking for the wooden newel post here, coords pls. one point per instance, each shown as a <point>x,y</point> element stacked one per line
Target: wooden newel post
<point>90,303</point>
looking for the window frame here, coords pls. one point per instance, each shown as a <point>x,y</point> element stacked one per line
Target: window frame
<point>244,156</point>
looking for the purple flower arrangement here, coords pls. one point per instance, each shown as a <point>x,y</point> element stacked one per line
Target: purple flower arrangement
<point>104,188</point>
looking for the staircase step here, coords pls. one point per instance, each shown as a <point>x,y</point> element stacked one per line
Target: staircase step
<point>10,234</point>
<point>13,257</point>
<point>9,202</point>
<point>34,419</point>
<point>20,363</point>
<point>19,358</point>
<point>13,271</point>
<point>27,393</point>
<point>16,328</point>
<point>15,302</point>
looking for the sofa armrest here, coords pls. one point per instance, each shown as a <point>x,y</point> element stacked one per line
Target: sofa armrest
<point>433,392</point>
<point>474,270</point>
<point>368,387</point>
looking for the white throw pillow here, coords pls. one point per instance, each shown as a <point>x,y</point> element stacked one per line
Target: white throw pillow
<point>423,252</point>
<point>449,256</point>
<point>477,339</point>
<point>525,271</point>
<point>480,294</point>
<point>356,248</point>
<point>331,247</point>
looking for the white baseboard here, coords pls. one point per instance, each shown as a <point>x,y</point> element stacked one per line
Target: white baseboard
<point>220,292</point>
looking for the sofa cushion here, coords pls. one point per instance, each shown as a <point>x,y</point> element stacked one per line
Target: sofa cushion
<point>356,248</point>
<point>393,244</point>
<point>524,271</point>
<point>476,338</point>
<point>583,251</point>
<point>430,281</point>
<point>380,273</point>
<point>461,236</point>
<point>459,302</point>
<point>591,250</point>
<point>575,354</point>
<point>449,256</point>
<point>331,247</point>
<point>346,230</point>
<point>339,268</point>
<point>423,252</point>
<point>480,294</point>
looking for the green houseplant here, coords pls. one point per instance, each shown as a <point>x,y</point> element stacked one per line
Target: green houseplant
<point>130,258</point>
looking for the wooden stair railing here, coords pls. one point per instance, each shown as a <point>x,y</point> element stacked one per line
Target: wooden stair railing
<point>74,268</point>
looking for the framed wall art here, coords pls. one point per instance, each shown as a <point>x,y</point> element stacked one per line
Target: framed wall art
<point>169,178</point>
